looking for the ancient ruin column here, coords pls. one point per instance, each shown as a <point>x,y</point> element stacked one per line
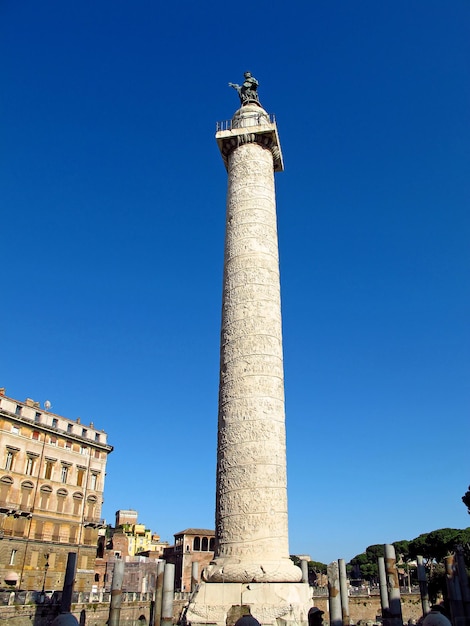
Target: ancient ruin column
<point>251,502</point>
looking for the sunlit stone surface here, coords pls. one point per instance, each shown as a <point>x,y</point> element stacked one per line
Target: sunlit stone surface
<point>251,566</point>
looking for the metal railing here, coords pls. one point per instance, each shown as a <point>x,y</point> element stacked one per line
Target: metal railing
<point>363,591</point>
<point>239,123</point>
<point>4,504</point>
<point>94,520</point>
<point>78,597</point>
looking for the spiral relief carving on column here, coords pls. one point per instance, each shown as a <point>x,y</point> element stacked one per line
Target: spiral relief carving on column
<point>251,516</point>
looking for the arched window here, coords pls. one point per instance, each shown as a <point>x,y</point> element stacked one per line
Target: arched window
<point>91,504</point>
<point>5,483</point>
<point>77,502</point>
<point>26,491</point>
<point>97,578</point>
<point>205,544</point>
<point>212,544</point>
<point>197,544</point>
<point>61,495</point>
<point>45,494</point>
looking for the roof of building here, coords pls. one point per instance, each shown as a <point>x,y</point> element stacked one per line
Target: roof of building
<point>195,531</point>
<point>42,419</point>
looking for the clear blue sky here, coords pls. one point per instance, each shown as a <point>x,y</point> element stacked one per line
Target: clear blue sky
<point>112,197</point>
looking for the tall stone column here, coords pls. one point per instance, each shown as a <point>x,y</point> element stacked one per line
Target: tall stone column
<point>251,502</point>
<point>251,571</point>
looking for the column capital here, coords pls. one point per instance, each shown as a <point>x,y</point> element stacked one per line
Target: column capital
<point>250,124</point>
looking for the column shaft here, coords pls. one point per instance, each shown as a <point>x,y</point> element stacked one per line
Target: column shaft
<point>251,507</point>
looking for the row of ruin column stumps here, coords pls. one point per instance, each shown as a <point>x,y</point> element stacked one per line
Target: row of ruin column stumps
<point>458,592</point>
<point>458,589</point>
<point>338,596</point>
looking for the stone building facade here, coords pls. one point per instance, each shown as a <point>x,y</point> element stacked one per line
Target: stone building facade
<point>52,472</point>
<point>191,545</point>
<point>140,573</point>
<point>126,516</point>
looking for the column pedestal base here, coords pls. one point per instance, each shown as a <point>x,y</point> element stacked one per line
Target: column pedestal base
<point>272,604</point>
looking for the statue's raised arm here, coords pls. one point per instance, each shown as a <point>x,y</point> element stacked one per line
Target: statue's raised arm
<point>248,92</point>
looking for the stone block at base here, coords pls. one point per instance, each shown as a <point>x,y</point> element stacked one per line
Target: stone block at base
<point>272,604</point>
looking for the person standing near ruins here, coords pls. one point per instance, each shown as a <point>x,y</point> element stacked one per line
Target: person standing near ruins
<point>315,616</point>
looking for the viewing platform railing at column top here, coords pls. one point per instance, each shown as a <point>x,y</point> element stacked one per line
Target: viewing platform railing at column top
<point>247,121</point>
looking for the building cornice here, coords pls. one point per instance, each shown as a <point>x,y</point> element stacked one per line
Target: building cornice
<point>46,428</point>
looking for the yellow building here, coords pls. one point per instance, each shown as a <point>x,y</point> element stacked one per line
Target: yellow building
<point>139,538</point>
<point>52,472</point>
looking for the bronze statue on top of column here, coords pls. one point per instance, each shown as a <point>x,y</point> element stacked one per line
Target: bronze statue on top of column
<point>248,92</point>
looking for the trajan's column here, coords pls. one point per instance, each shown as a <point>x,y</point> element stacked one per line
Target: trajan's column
<point>251,571</point>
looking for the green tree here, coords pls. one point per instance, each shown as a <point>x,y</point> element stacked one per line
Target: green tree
<point>373,552</point>
<point>433,546</point>
<point>365,565</point>
<point>437,544</point>
<point>466,499</point>
<point>317,566</point>
<point>419,546</point>
<point>437,583</point>
<point>295,560</point>
<point>402,549</point>
<point>315,569</point>
<point>443,542</point>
